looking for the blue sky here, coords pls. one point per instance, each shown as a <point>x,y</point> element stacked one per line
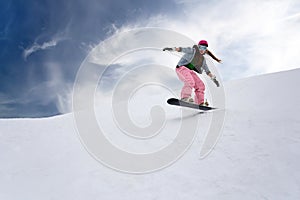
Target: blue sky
<point>44,42</point>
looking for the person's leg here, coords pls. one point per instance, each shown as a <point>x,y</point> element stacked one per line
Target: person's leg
<point>199,88</point>
<point>184,74</point>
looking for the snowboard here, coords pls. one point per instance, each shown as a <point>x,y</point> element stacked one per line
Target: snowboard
<point>177,102</point>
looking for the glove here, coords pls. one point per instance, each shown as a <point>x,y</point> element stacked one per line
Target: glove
<point>214,79</point>
<point>168,49</point>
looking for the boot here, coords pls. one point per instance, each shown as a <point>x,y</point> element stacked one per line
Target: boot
<point>188,99</point>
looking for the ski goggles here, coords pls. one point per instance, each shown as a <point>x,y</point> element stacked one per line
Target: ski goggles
<point>201,47</point>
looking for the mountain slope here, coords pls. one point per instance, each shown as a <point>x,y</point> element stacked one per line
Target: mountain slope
<point>257,156</point>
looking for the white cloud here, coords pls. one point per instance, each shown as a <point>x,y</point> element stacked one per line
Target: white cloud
<point>251,37</point>
<point>54,89</point>
<point>61,35</point>
<point>59,90</point>
<point>37,47</point>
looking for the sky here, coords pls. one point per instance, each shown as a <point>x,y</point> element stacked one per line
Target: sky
<point>43,43</point>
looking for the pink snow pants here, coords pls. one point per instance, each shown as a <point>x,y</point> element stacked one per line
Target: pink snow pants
<point>191,81</point>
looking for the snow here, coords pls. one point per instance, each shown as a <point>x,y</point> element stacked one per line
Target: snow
<point>257,156</point>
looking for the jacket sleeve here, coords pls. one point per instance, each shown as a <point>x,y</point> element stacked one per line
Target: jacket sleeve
<point>205,67</point>
<point>188,50</point>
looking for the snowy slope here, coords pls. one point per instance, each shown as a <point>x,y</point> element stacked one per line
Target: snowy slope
<point>257,156</point>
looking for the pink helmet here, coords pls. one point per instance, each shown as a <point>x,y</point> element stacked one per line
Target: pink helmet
<point>203,43</point>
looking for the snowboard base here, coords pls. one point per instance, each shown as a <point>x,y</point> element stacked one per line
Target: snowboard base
<point>177,102</point>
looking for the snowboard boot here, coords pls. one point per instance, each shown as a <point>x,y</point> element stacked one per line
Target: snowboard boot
<point>188,99</point>
<point>204,103</point>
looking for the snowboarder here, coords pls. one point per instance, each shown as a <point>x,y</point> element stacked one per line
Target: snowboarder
<point>193,61</point>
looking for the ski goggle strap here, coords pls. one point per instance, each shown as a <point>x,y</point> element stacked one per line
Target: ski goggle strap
<point>201,47</point>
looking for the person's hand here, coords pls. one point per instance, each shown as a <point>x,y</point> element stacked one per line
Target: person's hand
<point>214,79</point>
<point>168,49</point>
